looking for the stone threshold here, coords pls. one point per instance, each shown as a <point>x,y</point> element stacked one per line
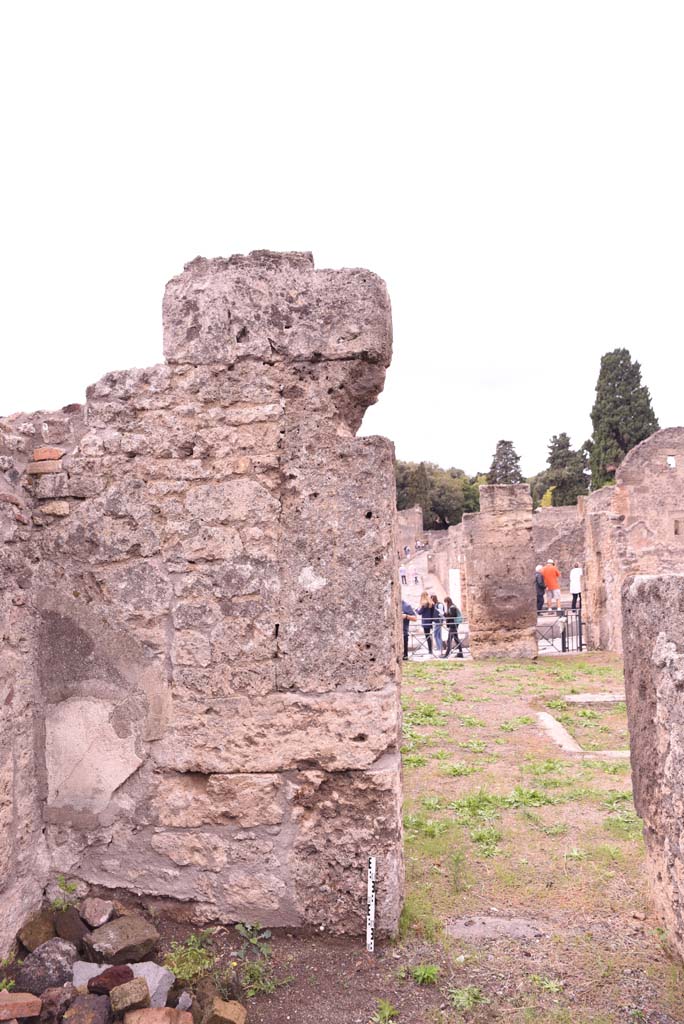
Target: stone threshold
<point>562,738</point>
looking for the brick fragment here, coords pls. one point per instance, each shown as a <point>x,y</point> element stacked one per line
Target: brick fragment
<point>37,468</point>
<point>47,453</point>
<point>18,1004</point>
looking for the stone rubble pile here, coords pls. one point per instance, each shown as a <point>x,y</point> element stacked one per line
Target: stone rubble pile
<point>53,986</point>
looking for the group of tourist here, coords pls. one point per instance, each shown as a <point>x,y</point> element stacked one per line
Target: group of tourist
<point>547,583</point>
<point>433,615</point>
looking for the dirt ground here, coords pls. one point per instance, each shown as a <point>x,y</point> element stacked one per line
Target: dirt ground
<point>501,825</point>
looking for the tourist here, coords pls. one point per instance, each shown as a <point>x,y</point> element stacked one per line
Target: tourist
<point>402,574</point>
<point>408,615</point>
<point>438,608</point>
<point>407,551</point>
<point>453,617</point>
<point>576,585</point>
<point>552,580</point>
<point>540,585</point>
<point>427,614</point>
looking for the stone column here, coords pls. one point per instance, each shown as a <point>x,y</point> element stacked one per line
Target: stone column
<point>653,643</point>
<point>499,573</point>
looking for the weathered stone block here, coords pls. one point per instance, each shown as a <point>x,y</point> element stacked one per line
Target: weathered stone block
<point>48,966</point>
<point>133,995</point>
<point>38,468</point>
<point>653,627</point>
<point>126,938</point>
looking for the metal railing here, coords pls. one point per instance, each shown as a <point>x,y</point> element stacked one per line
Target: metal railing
<point>419,649</point>
<point>562,633</point>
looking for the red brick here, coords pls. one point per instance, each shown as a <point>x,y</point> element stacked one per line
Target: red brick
<point>45,453</point>
<point>18,1004</point>
<point>50,466</point>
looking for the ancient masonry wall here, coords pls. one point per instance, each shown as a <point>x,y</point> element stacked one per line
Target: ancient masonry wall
<point>499,561</point>
<point>410,527</point>
<point>200,671</point>
<point>653,609</point>
<point>558,533</point>
<point>634,527</point>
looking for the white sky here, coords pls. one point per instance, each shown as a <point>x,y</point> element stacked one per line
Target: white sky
<point>514,170</point>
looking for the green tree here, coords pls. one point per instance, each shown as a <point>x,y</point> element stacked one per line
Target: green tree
<point>566,472</point>
<point>505,467</point>
<point>443,494</point>
<point>622,415</point>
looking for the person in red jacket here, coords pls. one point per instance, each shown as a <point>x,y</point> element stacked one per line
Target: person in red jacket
<point>552,580</point>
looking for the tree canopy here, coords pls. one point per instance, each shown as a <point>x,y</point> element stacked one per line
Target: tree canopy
<point>565,477</point>
<point>622,415</point>
<point>505,467</point>
<point>443,494</point>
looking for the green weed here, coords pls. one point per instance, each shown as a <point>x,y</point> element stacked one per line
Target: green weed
<point>516,723</point>
<point>425,974</point>
<point>192,959</point>
<point>465,998</point>
<point>384,1012</point>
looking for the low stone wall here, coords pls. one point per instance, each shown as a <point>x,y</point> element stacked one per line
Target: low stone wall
<point>499,576</point>
<point>653,611</point>
<point>207,705</point>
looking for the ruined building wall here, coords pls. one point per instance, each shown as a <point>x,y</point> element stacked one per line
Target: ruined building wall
<point>410,527</point>
<point>653,610</point>
<point>218,724</point>
<point>558,533</point>
<point>499,560</point>
<point>633,527</point>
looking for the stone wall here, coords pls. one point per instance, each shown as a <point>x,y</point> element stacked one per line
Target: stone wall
<point>558,533</point>
<point>217,724</point>
<point>633,527</point>
<point>653,610</point>
<point>410,527</point>
<point>499,577</point>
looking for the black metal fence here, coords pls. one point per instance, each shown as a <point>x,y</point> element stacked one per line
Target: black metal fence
<point>562,633</point>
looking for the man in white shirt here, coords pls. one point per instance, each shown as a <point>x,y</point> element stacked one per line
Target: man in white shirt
<point>576,585</point>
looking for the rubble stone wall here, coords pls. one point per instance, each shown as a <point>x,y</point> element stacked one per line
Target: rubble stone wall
<point>499,561</point>
<point>558,533</point>
<point>410,527</point>
<point>653,611</point>
<point>214,608</point>
<point>634,527</point>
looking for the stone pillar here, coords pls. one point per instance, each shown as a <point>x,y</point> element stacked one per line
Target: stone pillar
<point>217,611</point>
<point>499,573</point>
<point>653,643</point>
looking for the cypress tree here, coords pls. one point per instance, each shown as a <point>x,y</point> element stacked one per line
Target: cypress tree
<point>505,467</point>
<point>622,415</point>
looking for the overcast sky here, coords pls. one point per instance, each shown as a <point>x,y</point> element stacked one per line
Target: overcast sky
<point>514,170</point>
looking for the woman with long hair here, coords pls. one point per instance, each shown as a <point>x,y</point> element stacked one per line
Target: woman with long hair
<point>427,615</point>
